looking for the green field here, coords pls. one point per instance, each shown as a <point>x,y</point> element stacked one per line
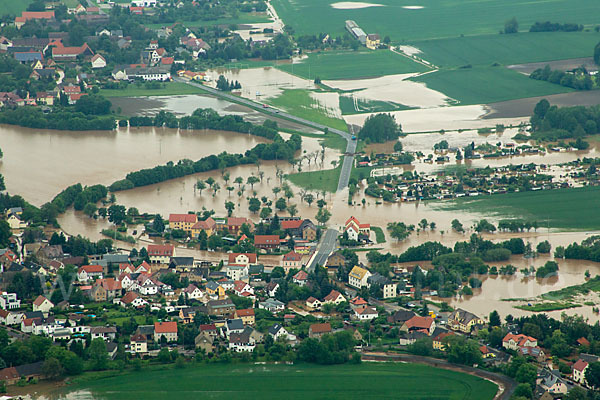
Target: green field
<point>568,209</point>
<point>243,18</point>
<point>299,103</point>
<point>170,89</point>
<point>350,105</point>
<point>242,381</point>
<point>326,179</point>
<point>437,18</point>
<point>482,85</point>
<point>352,65</point>
<point>508,49</point>
<point>13,7</point>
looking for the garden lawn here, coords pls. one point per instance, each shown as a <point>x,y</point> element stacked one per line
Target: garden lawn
<point>242,19</point>
<point>243,381</point>
<point>483,85</point>
<point>566,209</point>
<point>349,64</point>
<point>170,89</point>
<point>437,18</point>
<point>507,49</point>
<point>13,7</point>
<point>317,180</point>
<point>298,102</point>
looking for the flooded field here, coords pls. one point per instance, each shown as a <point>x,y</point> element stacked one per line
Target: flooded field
<point>38,164</point>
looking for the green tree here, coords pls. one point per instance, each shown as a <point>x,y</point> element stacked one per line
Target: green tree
<point>511,26</point>
<point>265,212</point>
<point>200,186</point>
<point>592,375</point>
<point>90,209</point>
<point>523,390</point>
<point>380,128</point>
<point>281,204</point>
<point>597,54</point>
<point>495,318</point>
<point>229,206</point>
<point>254,205</point>
<point>116,214</point>
<point>323,216</point>
<point>292,209</point>
<point>98,355</point>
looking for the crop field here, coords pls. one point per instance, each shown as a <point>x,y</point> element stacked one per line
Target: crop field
<point>507,49</point>
<point>352,65</point>
<point>169,89</point>
<point>243,18</point>
<point>436,18</point>
<point>238,381</point>
<point>299,102</point>
<point>13,7</point>
<point>568,209</point>
<point>482,85</point>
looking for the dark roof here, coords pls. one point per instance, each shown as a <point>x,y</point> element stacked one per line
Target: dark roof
<point>401,316</point>
<point>30,369</point>
<point>235,324</point>
<point>182,260</point>
<point>274,329</point>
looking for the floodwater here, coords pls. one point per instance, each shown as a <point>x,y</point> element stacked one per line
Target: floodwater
<point>38,164</point>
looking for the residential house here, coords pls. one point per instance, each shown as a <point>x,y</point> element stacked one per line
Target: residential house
<point>313,303</point>
<point>439,342</point>
<point>183,222</point>
<point>192,292</point>
<point>213,289</point>
<point>552,382</point>
<point>267,242</point>
<point>291,260</point>
<point>234,326</point>
<point>334,297</point>
<point>358,277</point>
<point>419,324</point>
<point>106,289</point>
<point>463,321</point>
<point>182,264</point>
<point>365,313</point>
<point>160,254</point>
<point>243,289</point>
<point>42,304</point>
<point>14,222</point>
<point>98,61</point>
<point>62,53</point>
<point>108,333</point>
<point>400,317</point>
<point>355,229</point>
<point>390,290</point>
<point>277,331</point>
<point>33,15</point>
<point>237,272</point>
<point>210,329</point>
<point>234,225</point>
<point>242,259</point>
<point>168,330</point>
<point>579,369</point>
<point>300,278</point>
<point>272,305</point>
<point>132,299</point>
<point>138,344</point>
<point>244,341</point>
<point>271,288</point>
<point>204,341</point>
<point>318,330</point>
<point>208,226</point>
<point>372,41</point>
<point>246,315</point>
<point>89,272</point>
<point>220,307</point>
<point>515,342</point>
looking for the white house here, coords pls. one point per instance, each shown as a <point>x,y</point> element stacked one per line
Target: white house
<point>98,61</point>
<point>42,304</point>
<point>579,369</point>
<point>166,329</point>
<point>365,313</point>
<point>515,342</point>
<point>237,272</point>
<point>138,344</point>
<point>389,290</point>
<point>334,297</point>
<point>15,222</point>
<point>89,272</point>
<point>279,332</point>
<point>9,301</point>
<point>192,292</point>
<point>358,277</point>
<point>143,3</point>
<point>10,317</point>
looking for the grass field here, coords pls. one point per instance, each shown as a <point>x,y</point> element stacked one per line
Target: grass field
<point>349,105</point>
<point>379,235</point>
<point>352,65</point>
<point>545,307</point>
<point>243,18</point>
<point>569,292</point>
<point>299,103</point>
<point>568,209</point>
<point>482,85</point>
<point>507,49</point>
<point>13,7</point>
<point>365,381</point>
<point>437,18</point>
<point>171,88</point>
<point>326,179</point>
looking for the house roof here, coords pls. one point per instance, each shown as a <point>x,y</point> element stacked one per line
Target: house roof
<point>519,339</point>
<point>312,299</point>
<point>358,301</point>
<point>26,15</point>
<point>418,322</point>
<point>365,311</point>
<point>40,300</point>
<point>580,365</point>
<point>129,297</point>
<point>320,328</point>
<point>138,338</point>
<point>165,327</point>
<point>333,295</point>
<point>266,239</point>
<point>292,256</point>
<point>238,221</point>
<point>207,327</point>
<point>188,218</point>
<point>235,324</point>
<point>209,223</point>
<point>248,312</point>
<point>161,250</point>
<point>98,56</point>
<point>358,272</point>
<point>583,341</point>
<point>443,335</point>
<point>109,284</point>
<point>301,275</point>
<point>91,269</point>
<point>233,256</point>
<point>291,224</point>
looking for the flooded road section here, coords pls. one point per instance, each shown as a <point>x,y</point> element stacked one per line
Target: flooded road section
<point>38,164</point>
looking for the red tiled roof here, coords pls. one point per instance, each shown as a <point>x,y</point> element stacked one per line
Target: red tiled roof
<point>39,300</point>
<point>129,297</point>
<point>580,365</point>
<point>27,15</point>
<point>292,256</point>
<point>419,322</point>
<point>91,269</point>
<point>321,328</point>
<point>190,218</point>
<point>301,276</point>
<point>248,312</point>
<point>266,239</point>
<point>333,295</point>
<point>251,257</point>
<point>165,327</point>
<point>160,250</point>
<point>293,224</point>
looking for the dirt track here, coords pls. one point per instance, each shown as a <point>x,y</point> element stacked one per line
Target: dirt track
<point>506,385</point>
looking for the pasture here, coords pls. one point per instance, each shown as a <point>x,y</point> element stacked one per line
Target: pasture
<point>483,85</point>
<point>243,381</point>
<point>13,7</point>
<point>362,63</point>
<point>437,18</point>
<point>567,209</point>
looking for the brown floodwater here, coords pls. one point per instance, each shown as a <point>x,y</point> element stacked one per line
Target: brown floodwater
<point>38,164</point>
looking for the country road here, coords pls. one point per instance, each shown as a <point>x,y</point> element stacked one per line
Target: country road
<point>329,239</point>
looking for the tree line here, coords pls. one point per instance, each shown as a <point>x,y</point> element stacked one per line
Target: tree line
<point>579,79</point>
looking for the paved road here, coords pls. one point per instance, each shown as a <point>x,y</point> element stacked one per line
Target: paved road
<point>328,240</point>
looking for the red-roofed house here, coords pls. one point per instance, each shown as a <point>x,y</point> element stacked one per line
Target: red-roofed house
<point>291,260</point>
<point>88,272</point>
<point>29,15</point>
<point>246,315</point>
<point>365,313</point>
<point>354,228</point>
<point>313,303</point>
<point>267,241</point>
<point>207,226</point>
<point>242,259</point>
<point>301,278</point>
<point>438,341</point>
<point>166,329</point>
<point>419,324</point>
<point>42,304</point>
<point>515,342</point>
<point>193,292</point>
<point>167,60</point>
<point>234,224</point>
<point>160,253</point>
<point>132,299</point>
<point>184,222</point>
<point>334,297</point>
<point>62,53</point>
<point>579,369</point>
<point>318,330</point>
